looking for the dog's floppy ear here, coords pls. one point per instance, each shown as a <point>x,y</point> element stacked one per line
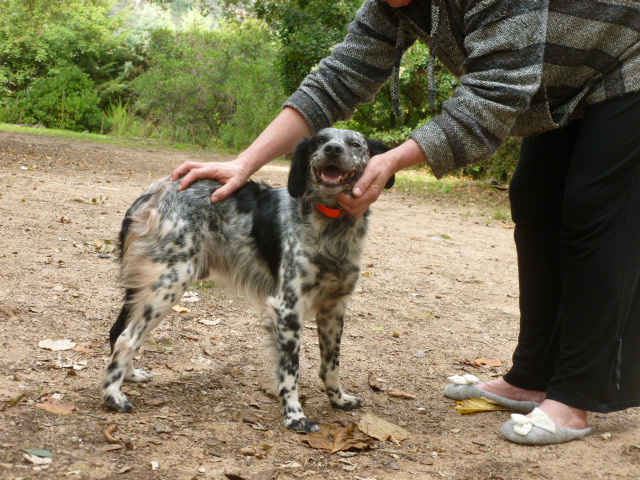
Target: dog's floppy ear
<point>376,147</point>
<point>299,171</point>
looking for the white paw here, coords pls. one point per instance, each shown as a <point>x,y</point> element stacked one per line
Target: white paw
<point>138,375</point>
<point>346,402</point>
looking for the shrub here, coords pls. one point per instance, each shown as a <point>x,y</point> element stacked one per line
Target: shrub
<point>500,166</point>
<point>65,100</point>
<point>210,86</point>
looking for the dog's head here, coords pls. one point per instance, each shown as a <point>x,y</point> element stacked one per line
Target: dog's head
<point>330,162</point>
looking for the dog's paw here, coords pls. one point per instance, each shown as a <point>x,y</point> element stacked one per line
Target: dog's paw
<point>119,402</point>
<point>341,400</point>
<point>302,424</point>
<point>346,402</point>
<point>138,375</point>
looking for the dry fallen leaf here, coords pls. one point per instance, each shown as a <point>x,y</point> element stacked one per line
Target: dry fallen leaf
<point>374,383</point>
<point>110,448</point>
<point>56,345</point>
<point>181,309</point>
<point>488,362</point>
<point>107,433</point>
<point>86,347</point>
<point>54,405</point>
<point>71,363</point>
<point>35,460</point>
<point>394,392</point>
<point>381,429</point>
<point>336,439</point>
<point>190,297</point>
<point>37,452</point>
<point>7,395</point>
<point>209,322</point>
<point>475,405</point>
<point>102,246</point>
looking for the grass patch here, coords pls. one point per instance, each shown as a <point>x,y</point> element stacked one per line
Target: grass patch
<point>421,182</point>
<point>204,284</point>
<point>97,137</point>
<point>501,214</point>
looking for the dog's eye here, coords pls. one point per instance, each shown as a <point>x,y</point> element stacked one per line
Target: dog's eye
<point>320,141</point>
<point>356,145</point>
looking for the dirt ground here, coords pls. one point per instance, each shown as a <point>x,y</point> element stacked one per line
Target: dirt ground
<point>438,291</point>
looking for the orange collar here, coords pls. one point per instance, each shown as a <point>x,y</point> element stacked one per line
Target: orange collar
<point>331,212</point>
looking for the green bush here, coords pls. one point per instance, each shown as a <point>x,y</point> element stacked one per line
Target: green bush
<point>379,120</point>
<point>65,100</point>
<point>500,166</point>
<point>208,87</point>
<point>121,120</point>
<point>251,83</point>
<point>41,38</point>
<point>306,30</point>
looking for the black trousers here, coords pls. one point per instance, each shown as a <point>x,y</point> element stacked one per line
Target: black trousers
<point>575,201</point>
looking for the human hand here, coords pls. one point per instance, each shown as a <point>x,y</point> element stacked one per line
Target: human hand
<point>232,175</point>
<point>369,187</point>
<point>378,172</point>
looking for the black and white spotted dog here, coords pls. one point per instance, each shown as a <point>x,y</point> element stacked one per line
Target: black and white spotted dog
<point>293,248</point>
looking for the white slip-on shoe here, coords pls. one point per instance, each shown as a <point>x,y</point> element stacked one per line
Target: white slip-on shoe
<point>465,387</point>
<point>539,429</point>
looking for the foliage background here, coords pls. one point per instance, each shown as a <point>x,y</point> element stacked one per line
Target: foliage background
<point>205,72</point>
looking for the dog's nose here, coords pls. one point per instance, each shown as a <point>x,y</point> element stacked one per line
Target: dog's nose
<point>333,149</point>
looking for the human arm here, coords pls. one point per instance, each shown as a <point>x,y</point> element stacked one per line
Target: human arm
<point>278,138</point>
<point>501,72</point>
<point>356,70</point>
<point>503,67</point>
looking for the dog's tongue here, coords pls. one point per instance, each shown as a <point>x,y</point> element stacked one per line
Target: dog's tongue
<point>331,175</point>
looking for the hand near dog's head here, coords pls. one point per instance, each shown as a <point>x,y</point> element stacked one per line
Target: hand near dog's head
<point>379,174</point>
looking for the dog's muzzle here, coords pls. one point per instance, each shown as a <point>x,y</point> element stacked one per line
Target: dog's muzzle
<point>333,171</point>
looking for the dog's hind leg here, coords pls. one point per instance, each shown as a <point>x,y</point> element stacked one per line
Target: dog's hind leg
<point>330,321</point>
<point>142,311</point>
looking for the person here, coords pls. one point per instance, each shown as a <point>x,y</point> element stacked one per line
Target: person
<point>563,74</point>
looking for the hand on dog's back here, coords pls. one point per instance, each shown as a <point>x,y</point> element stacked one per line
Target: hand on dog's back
<point>233,175</point>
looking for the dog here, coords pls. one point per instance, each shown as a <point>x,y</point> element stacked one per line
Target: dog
<point>293,249</point>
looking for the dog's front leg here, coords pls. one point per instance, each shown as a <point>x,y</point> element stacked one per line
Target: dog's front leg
<point>287,328</point>
<point>330,321</point>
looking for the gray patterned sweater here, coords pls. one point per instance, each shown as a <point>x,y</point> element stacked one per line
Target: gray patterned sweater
<point>525,67</point>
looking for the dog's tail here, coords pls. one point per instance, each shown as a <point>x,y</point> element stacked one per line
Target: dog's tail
<point>141,217</point>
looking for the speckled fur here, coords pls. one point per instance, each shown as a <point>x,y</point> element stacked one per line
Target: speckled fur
<point>271,243</point>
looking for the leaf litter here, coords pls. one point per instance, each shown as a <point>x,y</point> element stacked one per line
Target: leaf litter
<point>477,405</point>
<point>356,436</point>
<point>56,345</point>
<point>381,429</point>
<point>53,405</point>
<point>337,439</point>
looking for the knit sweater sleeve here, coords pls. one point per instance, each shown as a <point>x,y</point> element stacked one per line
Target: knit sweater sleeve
<point>503,49</point>
<point>354,72</point>
<point>504,46</point>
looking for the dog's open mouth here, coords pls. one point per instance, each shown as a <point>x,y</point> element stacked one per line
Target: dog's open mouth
<point>333,176</point>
